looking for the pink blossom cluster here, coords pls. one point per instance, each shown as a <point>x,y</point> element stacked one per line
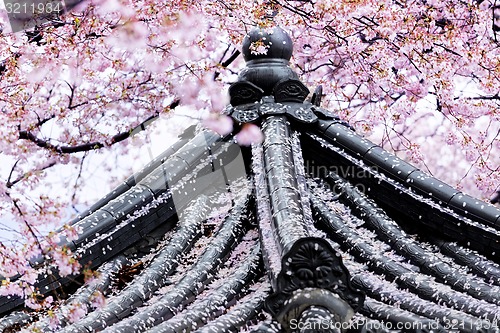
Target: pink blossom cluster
<point>421,78</point>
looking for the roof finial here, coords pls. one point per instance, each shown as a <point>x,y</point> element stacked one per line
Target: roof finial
<point>267,51</point>
<point>267,43</point>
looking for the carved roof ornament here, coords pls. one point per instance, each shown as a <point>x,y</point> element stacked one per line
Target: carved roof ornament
<point>268,85</point>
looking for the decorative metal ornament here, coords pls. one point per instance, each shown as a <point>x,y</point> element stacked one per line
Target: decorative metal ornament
<point>268,79</point>
<point>302,113</point>
<point>290,91</point>
<point>317,96</point>
<point>244,92</point>
<point>312,263</point>
<point>275,40</point>
<point>246,113</point>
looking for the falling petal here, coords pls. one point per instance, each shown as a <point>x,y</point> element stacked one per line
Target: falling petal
<point>249,134</point>
<point>219,123</point>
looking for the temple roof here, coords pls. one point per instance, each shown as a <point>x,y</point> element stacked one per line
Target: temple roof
<point>314,225</point>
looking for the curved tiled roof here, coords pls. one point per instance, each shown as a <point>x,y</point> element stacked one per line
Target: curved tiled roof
<point>314,229</point>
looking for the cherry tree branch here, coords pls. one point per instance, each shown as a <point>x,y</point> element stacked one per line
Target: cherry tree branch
<point>80,170</point>
<point>493,97</point>
<point>25,175</point>
<point>228,62</point>
<point>42,143</point>
<point>9,184</point>
<point>28,225</point>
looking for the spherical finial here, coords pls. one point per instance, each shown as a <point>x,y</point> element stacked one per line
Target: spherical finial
<point>265,43</point>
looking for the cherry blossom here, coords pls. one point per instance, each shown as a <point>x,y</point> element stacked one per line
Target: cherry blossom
<point>75,312</point>
<point>248,135</point>
<point>259,47</point>
<point>420,78</point>
<point>97,300</point>
<point>219,123</point>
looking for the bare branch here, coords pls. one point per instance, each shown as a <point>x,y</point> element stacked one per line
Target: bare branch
<point>17,180</point>
<point>27,135</point>
<point>228,62</point>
